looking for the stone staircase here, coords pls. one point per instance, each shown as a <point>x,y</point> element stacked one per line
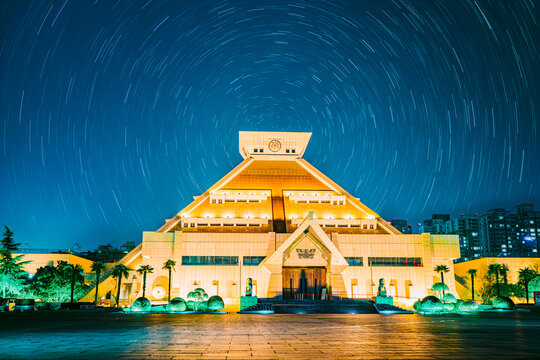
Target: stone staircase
<point>107,282</point>
<point>321,306</point>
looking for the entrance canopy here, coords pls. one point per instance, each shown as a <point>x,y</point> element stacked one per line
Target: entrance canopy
<point>308,245</point>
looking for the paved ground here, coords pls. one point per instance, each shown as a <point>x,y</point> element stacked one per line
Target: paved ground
<point>85,335</point>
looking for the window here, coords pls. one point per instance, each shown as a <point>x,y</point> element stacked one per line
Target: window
<point>261,150</point>
<point>394,261</point>
<point>293,151</point>
<point>209,260</point>
<point>287,151</point>
<point>253,260</point>
<point>255,150</point>
<point>355,261</point>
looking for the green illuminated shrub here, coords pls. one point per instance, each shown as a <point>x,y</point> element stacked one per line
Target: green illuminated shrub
<point>448,307</point>
<point>215,303</point>
<point>466,306</point>
<point>449,298</point>
<point>141,304</point>
<point>503,302</point>
<point>202,306</point>
<point>440,288</point>
<point>176,305</point>
<point>196,299</point>
<point>431,304</point>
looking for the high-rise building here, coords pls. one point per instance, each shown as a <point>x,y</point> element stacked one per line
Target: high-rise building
<point>435,225</point>
<point>505,234</point>
<point>467,227</point>
<point>402,226</point>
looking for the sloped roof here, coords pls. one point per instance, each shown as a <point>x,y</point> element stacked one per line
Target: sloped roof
<point>277,176</point>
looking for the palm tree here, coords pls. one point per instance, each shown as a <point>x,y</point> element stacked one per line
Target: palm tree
<point>119,271</point>
<point>98,267</point>
<point>169,265</point>
<point>76,271</point>
<point>494,269</point>
<point>472,274</point>
<point>525,275</point>
<point>441,269</point>
<point>504,273</point>
<point>144,269</point>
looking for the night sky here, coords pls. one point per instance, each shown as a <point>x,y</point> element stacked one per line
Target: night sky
<point>116,113</point>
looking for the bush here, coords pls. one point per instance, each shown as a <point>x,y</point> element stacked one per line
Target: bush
<point>448,306</point>
<point>431,304</point>
<point>176,305</point>
<point>465,306</point>
<point>202,306</point>
<point>141,304</point>
<point>449,298</point>
<point>215,303</point>
<point>190,305</point>
<point>471,305</point>
<point>503,302</point>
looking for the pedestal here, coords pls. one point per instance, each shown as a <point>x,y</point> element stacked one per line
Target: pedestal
<point>385,300</point>
<point>247,301</point>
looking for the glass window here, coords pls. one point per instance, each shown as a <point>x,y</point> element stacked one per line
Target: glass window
<point>355,261</point>
<point>253,260</point>
<point>210,260</point>
<point>394,261</point>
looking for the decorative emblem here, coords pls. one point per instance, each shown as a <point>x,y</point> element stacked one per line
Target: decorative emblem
<point>274,145</point>
<point>305,253</point>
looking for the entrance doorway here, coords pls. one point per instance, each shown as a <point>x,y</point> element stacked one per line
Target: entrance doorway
<point>303,283</point>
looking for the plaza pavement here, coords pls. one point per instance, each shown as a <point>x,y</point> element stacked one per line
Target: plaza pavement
<point>94,335</point>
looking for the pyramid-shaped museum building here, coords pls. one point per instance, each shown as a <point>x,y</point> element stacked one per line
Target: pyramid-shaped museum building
<point>294,232</point>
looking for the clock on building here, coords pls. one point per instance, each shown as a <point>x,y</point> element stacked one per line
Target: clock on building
<point>274,145</point>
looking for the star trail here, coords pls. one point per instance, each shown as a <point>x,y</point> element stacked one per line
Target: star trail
<point>116,113</point>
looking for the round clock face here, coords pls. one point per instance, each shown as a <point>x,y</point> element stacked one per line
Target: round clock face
<point>274,145</point>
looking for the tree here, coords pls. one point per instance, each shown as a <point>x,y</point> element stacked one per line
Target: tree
<point>8,242</point>
<point>169,265</point>
<point>494,269</point>
<point>503,271</point>
<point>439,288</point>
<point>472,274</point>
<point>525,275</point>
<point>441,269</point>
<point>76,275</point>
<point>11,268</point>
<point>54,283</point>
<point>98,267</point>
<point>119,271</point>
<point>144,269</point>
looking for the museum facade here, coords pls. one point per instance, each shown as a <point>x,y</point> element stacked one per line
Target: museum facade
<point>278,220</point>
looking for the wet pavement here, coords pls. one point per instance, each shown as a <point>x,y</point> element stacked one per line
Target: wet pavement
<point>93,335</point>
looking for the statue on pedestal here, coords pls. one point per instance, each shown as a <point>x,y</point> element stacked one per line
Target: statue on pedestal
<point>249,286</point>
<point>382,289</point>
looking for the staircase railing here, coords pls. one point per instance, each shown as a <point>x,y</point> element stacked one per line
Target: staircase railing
<point>129,256</point>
